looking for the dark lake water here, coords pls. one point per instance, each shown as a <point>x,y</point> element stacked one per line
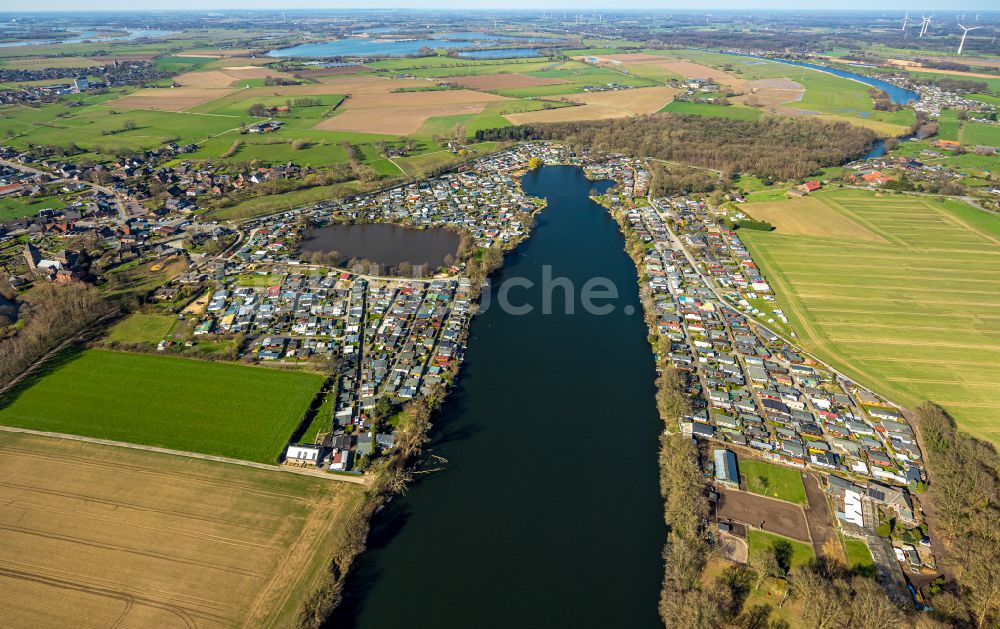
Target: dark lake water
<point>384,244</point>
<point>547,513</point>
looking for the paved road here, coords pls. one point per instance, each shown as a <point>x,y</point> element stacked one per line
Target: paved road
<point>357,480</point>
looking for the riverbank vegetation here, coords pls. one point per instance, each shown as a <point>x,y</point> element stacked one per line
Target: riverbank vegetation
<point>963,500</point>
<point>777,147</point>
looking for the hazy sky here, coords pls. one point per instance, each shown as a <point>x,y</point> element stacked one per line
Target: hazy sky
<point>569,5</point>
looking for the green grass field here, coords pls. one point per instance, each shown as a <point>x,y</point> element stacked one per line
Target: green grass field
<point>801,553</point>
<point>978,133</point>
<point>730,112</point>
<point>213,408</point>
<point>774,481</point>
<point>910,311</point>
<point>141,328</point>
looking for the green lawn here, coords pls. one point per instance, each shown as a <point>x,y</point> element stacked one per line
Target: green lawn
<point>141,328</point>
<point>213,408</point>
<point>796,553</point>
<point>18,207</point>
<point>910,310</point>
<point>859,558</point>
<point>772,480</point>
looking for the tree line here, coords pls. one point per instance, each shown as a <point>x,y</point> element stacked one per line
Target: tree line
<point>964,497</point>
<point>51,314</point>
<point>774,146</point>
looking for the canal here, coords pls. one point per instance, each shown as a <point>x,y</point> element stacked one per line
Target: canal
<point>547,512</point>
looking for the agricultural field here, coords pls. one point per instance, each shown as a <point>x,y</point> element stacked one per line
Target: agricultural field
<point>731,112</point>
<point>773,481</point>
<point>150,539</point>
<point>213,408</point>
<point>978,133</point>
<point>908,310</point>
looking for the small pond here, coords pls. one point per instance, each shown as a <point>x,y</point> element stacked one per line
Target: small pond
<point>388,245</point>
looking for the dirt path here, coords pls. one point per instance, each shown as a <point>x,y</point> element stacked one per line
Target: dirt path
<point>357,480</point>
<point>820,520</point>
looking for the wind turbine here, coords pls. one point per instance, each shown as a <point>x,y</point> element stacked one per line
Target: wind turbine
<point>925,22</point>
<point>906,20</point>
<point>965,31</point>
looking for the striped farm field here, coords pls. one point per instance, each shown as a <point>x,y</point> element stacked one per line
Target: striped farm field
<point>913,311</point>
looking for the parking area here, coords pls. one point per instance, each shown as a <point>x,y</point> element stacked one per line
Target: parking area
<point>768,514</point>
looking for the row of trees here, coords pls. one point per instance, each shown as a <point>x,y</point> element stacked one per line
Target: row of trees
<point>51,314</point>
<point>964,496</point>
<point>774,146</point>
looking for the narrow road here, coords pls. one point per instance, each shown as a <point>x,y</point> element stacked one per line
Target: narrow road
<point>357,480</point>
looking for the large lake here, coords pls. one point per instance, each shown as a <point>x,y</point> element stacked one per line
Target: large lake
<point>404,45</point>
<point>547,512</point>
<point>385,244</point>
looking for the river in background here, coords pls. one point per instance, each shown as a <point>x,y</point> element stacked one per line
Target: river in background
<point>385,244</point>
<point>547,512</point>
<point>897,95</point>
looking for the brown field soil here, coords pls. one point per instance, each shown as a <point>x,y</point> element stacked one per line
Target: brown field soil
<point>774,93</point>
<point>169,99</point>
<point>781,83</point>
<point>128,538</point>
<point>503,80</point>
<point>318,72</point>
<point>365,84</point>
<point>809,216</point>
<point>568,114</point>
<point>227,76</point>
<point>980,75</point>
<point>403,113</point>
<point>777,516</point>
<point>641,100</point>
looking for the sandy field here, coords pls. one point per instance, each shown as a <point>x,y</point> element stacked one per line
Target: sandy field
<point>568,114</point>
<point>116,537</point>
<point>503,81</point>
<point>318,72</point>
<point>227,76</point>
<point>641,100</point>
<point>169,99</point>
<point>809,216</point>
<point>403,113</point>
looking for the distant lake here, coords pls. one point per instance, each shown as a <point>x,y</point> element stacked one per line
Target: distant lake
<point>503,53</point>
<point>80,36</point>
<point>385,244</point>
<point>404,45</point>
